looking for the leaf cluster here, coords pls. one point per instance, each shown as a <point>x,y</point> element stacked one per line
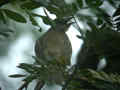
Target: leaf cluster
<point>45,71</point>
<point>88,79</point>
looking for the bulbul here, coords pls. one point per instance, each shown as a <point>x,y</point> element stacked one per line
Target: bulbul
<point>55,44</point>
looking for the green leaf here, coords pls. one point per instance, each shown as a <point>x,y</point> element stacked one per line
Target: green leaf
<point>74,6</point>
<point>30,78</point>
<point>99,21</point>
<point>2,18</point>
<point>17,76</point>
<point>46,20</point>
<point>4,34</point>
<point>34,22</point>
<point>37,60</point>
<point>80,3</point>
<point>15,16</point>
<point>54,10</point>
<point>94,3</point>
<point>92,26</point>
<point>26,67</point>
<point>40,29</point>
<point>30,5</point>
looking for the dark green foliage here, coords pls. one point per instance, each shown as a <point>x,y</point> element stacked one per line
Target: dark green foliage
<point>34,22</point>
<point>30,5</point>
<point>80,3</point>
<point>13,15</point>
<point>2,18</point>
<point>45,71</point>
<point>104,43</point>
<point>91,80</point>
<point>45,19</point>
<point>94,3</point>
<point>17,76</point>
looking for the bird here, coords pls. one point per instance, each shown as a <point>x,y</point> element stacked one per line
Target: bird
<point>55,44</point>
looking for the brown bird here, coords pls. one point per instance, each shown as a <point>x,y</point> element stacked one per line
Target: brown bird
<point>55,44</point>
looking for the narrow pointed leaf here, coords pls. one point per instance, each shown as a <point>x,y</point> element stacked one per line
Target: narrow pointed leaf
<point>2,18</point>
<point>30,5</point>
<point>17,76</point>
<point>15,16</point>
<point>33,21</point>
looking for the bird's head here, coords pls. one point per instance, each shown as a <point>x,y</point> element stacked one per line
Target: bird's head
<point>63,24</point>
